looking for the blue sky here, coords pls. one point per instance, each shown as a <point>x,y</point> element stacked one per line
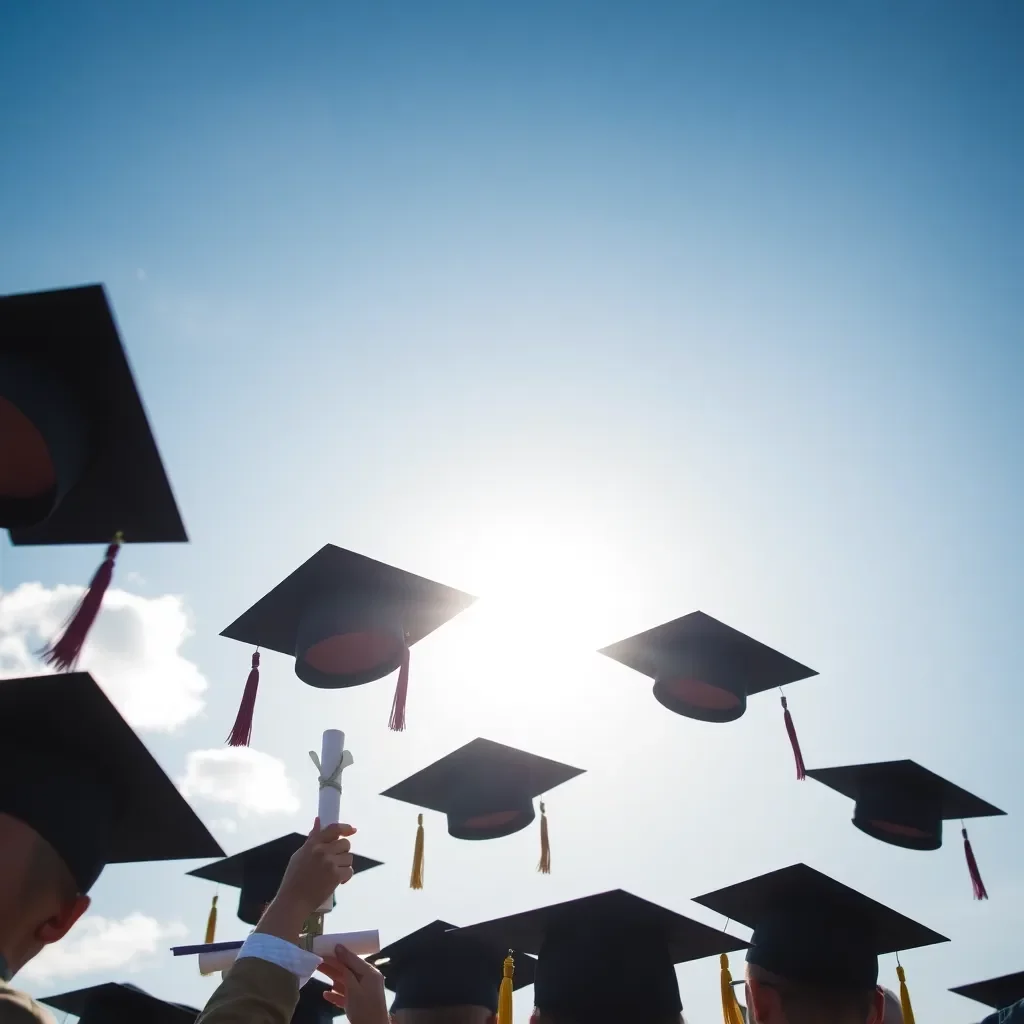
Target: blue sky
<point>604,312</point>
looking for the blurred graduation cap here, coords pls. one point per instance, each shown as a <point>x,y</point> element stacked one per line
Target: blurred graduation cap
<point>312,1008</point>
<point>78,462</point>
<point>257,873</point>
<point>438,966</point>
<point>76,774</point>
<point>609,955</point>
<point>811,929</point>
<point>996,992</point>
<point>903,804</point>
<point>113,1003</point>
<point>486,790</point>
<point>706,670</point>
<point>347,620</point>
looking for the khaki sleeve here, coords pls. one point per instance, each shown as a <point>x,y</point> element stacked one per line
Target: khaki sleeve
<point>18,1008</point>
<point>253,991</point>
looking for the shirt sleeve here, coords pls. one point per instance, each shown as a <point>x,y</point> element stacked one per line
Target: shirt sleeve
<point>275,950</point>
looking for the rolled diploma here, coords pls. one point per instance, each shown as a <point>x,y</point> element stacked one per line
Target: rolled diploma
<point>332,748</point>
<point>360,943</point>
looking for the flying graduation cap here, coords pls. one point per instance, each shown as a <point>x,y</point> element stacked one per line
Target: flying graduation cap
<point>78,462</point>
<point>113,1003</point>
<point>903,804</point>
<point>347,620</point>
<point>610,955</point>
<point>437,966</point>
<point>995,992</point>
<point>486,790</point>
<point>813,930</point>
<point>92,790</point>
<point>257,873</point>
<point>706,670</point>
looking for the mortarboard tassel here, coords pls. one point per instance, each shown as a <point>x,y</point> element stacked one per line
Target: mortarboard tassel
<point>980,892</point>
<point>211,922</point>
<point>908,1010</point>
<point>416,878</point>
<point>505,991</point>
<point>730,1004</point>
<point>63,654</point>
<point>793,741</point>
<point>241,731</point>
<point>544,866</point>
<point>397,722</point>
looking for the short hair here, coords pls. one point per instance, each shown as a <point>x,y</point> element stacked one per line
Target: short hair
<point>48,875</point>
<point>809,1004</point>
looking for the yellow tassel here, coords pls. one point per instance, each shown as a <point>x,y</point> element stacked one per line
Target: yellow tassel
<point>211,922</point>
<point>544,867</point>
<point>505,992</point>
<point>731,1013</point>
<point>908,1010</point>
<point>416,878</point>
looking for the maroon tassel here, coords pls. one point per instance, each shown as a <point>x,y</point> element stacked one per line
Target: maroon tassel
<point>980,892</point>
<point>241,731</point>
<point>397,722</point>
<point>63,654</point>
<point>801,773</point>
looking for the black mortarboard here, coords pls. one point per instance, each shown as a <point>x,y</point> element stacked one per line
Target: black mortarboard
<point>113,1003</point>
<point>76,773</point>
<point>78,462</point>
<point>903,804</point>
<point>996,992</point>
<point>347,620</point>
<point>706,670</point>
<point>607,955</point>
<point>258,872</point>
<point>486,790</point>
<point>811,929</point>
<point>438,966</point>
<point>312,1008</point>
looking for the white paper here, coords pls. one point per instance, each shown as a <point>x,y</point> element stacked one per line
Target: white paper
<point>360,943</point>
<point>331,752</point>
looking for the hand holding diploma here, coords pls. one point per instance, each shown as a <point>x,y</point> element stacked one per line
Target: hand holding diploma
<point>315,870</point>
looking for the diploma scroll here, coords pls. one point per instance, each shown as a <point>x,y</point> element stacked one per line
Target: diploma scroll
<point>219,956</point>
<point>333,760</point>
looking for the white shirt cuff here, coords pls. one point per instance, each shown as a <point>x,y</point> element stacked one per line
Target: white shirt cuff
<point>275,950</point>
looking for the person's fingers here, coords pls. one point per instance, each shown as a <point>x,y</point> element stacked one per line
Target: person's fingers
<point>335,833</point>
<point>333,971</point>
<point>314,831</point>
<point>335,998</point>
<point>339,858</point>
<point>354,965</point>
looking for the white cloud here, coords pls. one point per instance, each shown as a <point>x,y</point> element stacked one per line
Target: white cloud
<point>100,944</point>
<point>247,778</point>
<point>133,649</point>
<point>228,826</point>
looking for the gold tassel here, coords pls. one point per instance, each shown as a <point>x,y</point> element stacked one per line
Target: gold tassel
<point>731,1013</point>
<point>505,992</point>
<point>544,867</point>
<point>908,1010</point>
<point>211,922</point>
<point>416,878</point>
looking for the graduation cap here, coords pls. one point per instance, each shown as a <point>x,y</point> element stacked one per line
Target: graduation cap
<point>312,1008</point>
<point>78,776</point>
<point>486,790</point>
<point>607,955</point>
<point>347,620</point>
<point>78,462</point>
<point>903,804</point>
<point>257,873</point>
<point>996,992</point>
<point>113,1003</point>
<point>706,670</point>
<point>810,929</point>
<point>437,966</point>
